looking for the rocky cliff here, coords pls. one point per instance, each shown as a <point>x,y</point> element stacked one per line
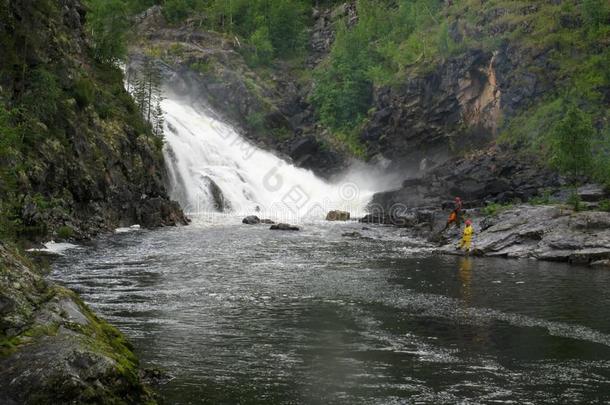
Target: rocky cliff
<point>268,105</point>
<point>80,159</point>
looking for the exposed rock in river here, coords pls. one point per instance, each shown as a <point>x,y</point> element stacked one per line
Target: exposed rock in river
<point>54,349</point>
<point>251,220</point>
<point>284,227</point>
<point>338,216</point>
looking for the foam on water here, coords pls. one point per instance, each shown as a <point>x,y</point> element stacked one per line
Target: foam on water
<point>52,247</point>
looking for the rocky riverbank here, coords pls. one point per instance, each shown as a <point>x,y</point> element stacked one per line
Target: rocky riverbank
<point>54,349</point>
<point>546,232</point>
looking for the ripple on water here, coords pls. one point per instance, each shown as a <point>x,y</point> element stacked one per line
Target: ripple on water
<point>241,314</point>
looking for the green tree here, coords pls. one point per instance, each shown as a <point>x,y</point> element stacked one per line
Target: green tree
<point>262,48</point>
<point>343,90</point>
<point>570,143</point>
<point>595,12</point>
<point>177,10</point>
<point>286,24</point>
<point>108,24</point>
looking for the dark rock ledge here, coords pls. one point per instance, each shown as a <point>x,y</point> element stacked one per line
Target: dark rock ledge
<point>54,349</point>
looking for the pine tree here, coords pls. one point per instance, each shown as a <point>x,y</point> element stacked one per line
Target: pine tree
<point>148,95</point>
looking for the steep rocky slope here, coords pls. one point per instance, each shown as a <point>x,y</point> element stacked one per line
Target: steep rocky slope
<point>76,158</point>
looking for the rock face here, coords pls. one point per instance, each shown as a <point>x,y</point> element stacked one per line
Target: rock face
<point>545,233</point>
<point>456,107</point>
<point>96,165</point>
<point>284,227</point>
<point>338,216</point>
<point>426,116</point>
<point>251,220</point>
<point>54,349</point>
<point>492,175</point>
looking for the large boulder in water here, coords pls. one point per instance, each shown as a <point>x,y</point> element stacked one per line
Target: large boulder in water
<point>284,227</point>
<point>220,202</point>
<point>337,215</point>
<point>251,220</point>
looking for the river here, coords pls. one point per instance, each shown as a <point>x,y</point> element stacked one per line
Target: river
<point>242,314</point>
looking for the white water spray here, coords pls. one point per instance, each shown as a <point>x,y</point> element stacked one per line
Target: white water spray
<point>213,168</point>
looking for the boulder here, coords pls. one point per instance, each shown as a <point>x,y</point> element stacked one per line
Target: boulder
<point>592,193</point>
<point>251,220</point>
<point>56,350</point>
<point>337,215</point>
<point>352,234</point>
<point>284,227</point>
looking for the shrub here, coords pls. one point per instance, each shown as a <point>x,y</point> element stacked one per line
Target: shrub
<point>84,92</point>
<point>543,199</point>
<point>493,208</point>
<point>65,232</point>
<point>108,23</point>
<point>262,48</point>
<point>42,97</point>
<point>256,121</point>
<point>575,201</point>
<point>570,142</point>
<point>604,205</point>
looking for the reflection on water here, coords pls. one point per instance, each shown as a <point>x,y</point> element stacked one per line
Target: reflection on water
<point>465,277</point>
<point>240,314</point>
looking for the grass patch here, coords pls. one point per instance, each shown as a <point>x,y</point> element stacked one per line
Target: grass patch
<point>493,209</point>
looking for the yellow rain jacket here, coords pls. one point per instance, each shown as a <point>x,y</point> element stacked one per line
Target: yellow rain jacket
<point>467,237</point>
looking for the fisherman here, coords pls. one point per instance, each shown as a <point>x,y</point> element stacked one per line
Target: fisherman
<point>456,215</point>
<point>467,236</point>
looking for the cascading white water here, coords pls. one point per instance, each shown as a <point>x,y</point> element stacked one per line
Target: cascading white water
<point>213,168</point>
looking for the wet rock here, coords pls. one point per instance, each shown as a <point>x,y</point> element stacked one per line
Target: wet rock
<point>592,193</point>
<point>251,220</point>
<point>221,204</point>
<point>352,234</point>
<point>155,376</point>
<point>284,227</point>
<point>267,221</point>
<point>338,216</point>
<point>550,233</point>
<point>55,349</point>
<point>494,175</point>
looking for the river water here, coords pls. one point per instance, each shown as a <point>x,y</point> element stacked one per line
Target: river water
<point>242,314</point>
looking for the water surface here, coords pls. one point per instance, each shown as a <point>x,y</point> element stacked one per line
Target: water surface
<point>241,314</point>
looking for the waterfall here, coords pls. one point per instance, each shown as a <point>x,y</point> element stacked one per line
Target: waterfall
<point>213,168</point>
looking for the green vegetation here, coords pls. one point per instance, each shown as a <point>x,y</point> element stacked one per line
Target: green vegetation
<point>604,205</point>
<point>544,199</point>
<point>386,41</point>
<point>493,209</point>
<point>570,143</point>
<point>65,232</point>
<point>108,23</point>
<point>575,201</point>
<point>50,102</point>
<point>268,28</point>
